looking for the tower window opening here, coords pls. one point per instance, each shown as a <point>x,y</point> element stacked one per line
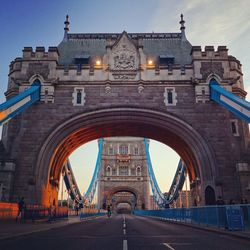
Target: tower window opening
<point>79,96</point>
<point>123,149</point>
<point>234,127</point>
<point>170,96</point>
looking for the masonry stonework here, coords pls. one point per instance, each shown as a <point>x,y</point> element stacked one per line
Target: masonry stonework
<point>124,77</point>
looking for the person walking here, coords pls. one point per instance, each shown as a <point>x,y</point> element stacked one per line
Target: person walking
<point>21,210</point>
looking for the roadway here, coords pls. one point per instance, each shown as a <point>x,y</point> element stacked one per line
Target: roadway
<point>124,232</point>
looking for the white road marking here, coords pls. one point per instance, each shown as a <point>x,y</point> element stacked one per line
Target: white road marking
<point>168,246</point>
<point>124,231</point>
<point>124,225</point>
<point>125,245</point>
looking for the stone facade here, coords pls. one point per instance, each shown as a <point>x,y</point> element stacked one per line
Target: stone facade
<point>124,175</point>
<point>127,82</point>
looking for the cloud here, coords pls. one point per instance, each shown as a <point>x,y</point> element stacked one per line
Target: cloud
<point>210,22</point>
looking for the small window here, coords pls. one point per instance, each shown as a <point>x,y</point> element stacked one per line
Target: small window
<point>136,151</point>
<point>114,172</point>
<point>170,96</point>
<point>79,96</point>
<point>234,127</point>
<point>111,150</point>
<point>123,149</point>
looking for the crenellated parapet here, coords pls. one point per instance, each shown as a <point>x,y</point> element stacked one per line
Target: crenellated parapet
<point>210,63</point>
<point>38,64</point>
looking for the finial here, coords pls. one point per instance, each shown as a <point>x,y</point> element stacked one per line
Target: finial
<point>182,28</point>
<point>66,28</point>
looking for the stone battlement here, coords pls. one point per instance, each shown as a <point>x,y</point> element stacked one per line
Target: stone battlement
<point>40,53</point>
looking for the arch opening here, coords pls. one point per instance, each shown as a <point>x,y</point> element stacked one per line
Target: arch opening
<point>78,130</point>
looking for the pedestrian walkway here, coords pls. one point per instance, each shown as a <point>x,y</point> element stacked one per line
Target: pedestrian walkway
<point>12,229</point>
<point>240,234</point>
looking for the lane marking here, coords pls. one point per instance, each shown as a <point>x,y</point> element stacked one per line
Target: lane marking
<point>124,231</point>
<point>125,245</point>
<point>168,246</point>
<point>124,225</point>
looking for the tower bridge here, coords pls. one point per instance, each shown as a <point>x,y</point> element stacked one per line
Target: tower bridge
<point>149,85</point>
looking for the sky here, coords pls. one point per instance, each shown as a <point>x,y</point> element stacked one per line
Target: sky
<point>40,23</point>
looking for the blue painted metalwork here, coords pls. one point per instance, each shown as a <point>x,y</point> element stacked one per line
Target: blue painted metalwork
<point>86,215</point>
<point>19,103</point>
<point>93,184</point>
<point>71,184</point>
<point>231,102</point>
<point>177,184</point>
<point>214,216</point>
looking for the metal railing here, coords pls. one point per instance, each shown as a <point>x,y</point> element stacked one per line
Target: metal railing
<point>232,217</point>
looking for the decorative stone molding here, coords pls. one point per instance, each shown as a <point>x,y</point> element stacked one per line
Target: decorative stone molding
<point>202,93</point>
<point>47,94</point>
<point>108,89</point>
<point>140,88</point>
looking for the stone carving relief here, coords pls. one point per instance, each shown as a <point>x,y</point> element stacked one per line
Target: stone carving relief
<point>211,67</point>
<point>124,59</point>
<point>38,68</point>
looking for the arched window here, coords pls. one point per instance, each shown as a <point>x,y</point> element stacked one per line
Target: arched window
<point>108,171</point>
<point>138,171</point>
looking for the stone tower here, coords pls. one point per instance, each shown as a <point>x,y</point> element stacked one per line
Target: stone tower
<point>124,175</point>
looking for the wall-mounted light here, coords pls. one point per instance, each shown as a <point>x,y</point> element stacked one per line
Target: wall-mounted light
<point>98,62</point>
<point>150,62</point>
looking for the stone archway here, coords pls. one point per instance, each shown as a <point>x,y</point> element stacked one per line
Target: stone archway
<point>163,127</point>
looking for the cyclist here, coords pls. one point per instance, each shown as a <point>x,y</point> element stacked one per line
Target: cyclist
<point>109,210</point>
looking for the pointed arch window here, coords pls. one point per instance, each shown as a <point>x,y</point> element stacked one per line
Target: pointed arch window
<point>138,171</point>
<point>108,171</point>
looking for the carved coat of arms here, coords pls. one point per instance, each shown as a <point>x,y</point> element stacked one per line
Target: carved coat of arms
<point>124,59</point>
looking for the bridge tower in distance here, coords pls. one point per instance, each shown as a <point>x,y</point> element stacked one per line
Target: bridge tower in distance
<point>123,180</point>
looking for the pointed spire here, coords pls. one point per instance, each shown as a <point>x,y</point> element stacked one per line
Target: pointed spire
<point>66,28</point>
<point>182,28</point>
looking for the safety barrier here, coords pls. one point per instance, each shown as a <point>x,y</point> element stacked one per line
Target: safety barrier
<point>9,211</point>
<point>89,212</point>
<point>233,217</point>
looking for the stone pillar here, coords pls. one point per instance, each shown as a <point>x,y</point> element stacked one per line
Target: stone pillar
<point>243,171</point>
<point>7,170</point>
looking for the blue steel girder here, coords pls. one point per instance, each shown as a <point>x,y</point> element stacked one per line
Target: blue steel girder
<point>176,186</point>
<point>89,195</point>
<point>19,103</point>
<point>233,103</point>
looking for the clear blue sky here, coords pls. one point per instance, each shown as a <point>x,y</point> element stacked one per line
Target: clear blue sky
<point>40,23</point>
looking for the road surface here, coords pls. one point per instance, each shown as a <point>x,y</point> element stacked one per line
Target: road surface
<point>125,232</point>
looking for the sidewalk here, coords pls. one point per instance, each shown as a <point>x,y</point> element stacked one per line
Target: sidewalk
<point>11,229</point>
<point>239,234</point>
